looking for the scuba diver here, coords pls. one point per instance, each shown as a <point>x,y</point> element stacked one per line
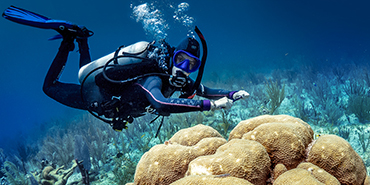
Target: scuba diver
<point>133,80</point>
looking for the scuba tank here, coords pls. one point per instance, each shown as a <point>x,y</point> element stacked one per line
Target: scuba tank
<point>139,49</point>
<point>104,80</point>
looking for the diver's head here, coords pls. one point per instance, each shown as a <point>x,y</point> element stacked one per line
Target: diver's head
<point>186,56</point>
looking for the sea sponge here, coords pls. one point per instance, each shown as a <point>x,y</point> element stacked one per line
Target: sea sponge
<point>319,174</point>
<point>211,179</point>
<point>284,137</point>
<point>191,136</point>
<point>164,164</point>
<point>240,158</point>
<point>336,156</point>
<point>249,124</point>
<point>297,176</point>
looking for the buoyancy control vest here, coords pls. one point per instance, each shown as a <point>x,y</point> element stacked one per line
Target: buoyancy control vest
<point>124,65</point>
<point>104,80</point>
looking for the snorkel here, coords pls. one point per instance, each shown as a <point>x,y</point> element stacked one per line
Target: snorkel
<point>190,93</point>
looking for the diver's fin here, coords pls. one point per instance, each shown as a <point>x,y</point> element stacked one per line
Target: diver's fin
<point>26,17</point>
<point>59,36</point>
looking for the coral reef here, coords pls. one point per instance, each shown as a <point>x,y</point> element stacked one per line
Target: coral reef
<point>166,163</point>
<point>211,179</point>
<point>332,101</point>
<point>336,156</point>
<point>297,176</point>
<point>278,170</point>
<point>191,136</point>
<point>58,176</point>
<point>275,95</point>
<point>240,158</point>
<point>367,180</point>
<point>284,137</point>
<point>320,174</point>
<point>13,174</point>
<point>284,140</point>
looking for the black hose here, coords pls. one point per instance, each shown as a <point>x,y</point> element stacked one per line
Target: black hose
<point>195,86</point>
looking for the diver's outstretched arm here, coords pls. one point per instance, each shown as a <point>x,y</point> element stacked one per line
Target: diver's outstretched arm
<point>65,93</point>
<point>152,87</point>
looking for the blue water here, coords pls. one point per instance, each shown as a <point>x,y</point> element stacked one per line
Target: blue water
<point>242,35</point>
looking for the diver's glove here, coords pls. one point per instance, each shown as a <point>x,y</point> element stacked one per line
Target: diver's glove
<point>223,103</point>
<point>240,95</point>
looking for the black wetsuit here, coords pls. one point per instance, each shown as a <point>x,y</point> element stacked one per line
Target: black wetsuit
<point>132,100</point>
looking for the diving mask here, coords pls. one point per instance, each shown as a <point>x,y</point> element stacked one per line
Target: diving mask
<point>186,61</point>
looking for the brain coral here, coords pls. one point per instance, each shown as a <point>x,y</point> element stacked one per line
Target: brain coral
<point>367,180</point>
<point>191,136</point>
<point>284,137</point>
<point>164,164</point>
<point>278,170</point>
<point>255,147</point>
<point>249,124</point>
<point>211,179</point>
<point>297,176</point>
<point>320,174</point>
<point>336,156</point>
<point>240,158</point>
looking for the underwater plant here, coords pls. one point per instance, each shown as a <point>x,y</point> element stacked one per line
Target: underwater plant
<point>332,113</point>
<point>360,106</point>
<point>344,132</point>
<point>363,137</point>
<point>275,94</point>
<point>57,149</point>
<point>320,91</point>
<point>254,78</point>
<point>81,151</point>
<point>14,175</point>
<point>339,72</point>
<point>301,110</point>
<point>226,125</point>
<point>354,87</point>
<point>124,166</point>
<point>367,77</point>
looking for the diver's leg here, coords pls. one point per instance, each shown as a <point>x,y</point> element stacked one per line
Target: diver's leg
<point>65,93</point>
<point>59,62</point>
<point>83,48</point>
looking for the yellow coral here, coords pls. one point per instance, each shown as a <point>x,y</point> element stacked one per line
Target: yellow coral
<point>336,156</point>
<point>191,136</point>
<point>57,176</point>
<point>164,164</point>
<point>240,158</point>
<point>278,170</point>
<point>367,180</point>
<point>284,141</point>
<point>320,174</point>
<point>297,176</point>
<point>211,179</point>
<point>280,139</point>
<point>249,124</point>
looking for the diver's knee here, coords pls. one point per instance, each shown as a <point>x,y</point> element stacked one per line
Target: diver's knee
<point>47,89</point>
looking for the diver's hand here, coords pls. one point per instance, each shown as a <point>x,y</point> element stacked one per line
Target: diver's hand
<point>240,95</point>
<point>74,31</point>
<point>223,103</point>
